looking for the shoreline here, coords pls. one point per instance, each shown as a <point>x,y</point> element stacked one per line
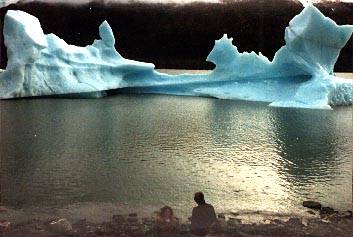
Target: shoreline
<point>98,212</point>
<point>323,222</point>
<point>102,212</point>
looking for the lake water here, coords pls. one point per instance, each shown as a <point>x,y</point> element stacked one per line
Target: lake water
<point>140,152</point>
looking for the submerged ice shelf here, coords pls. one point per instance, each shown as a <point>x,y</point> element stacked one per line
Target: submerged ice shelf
<point>300,75</point>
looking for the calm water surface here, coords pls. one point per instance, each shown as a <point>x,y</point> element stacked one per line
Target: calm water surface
<point>152,150</point>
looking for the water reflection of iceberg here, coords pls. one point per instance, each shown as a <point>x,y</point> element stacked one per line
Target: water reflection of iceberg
<point>157,147</point>
<point>312,168</point>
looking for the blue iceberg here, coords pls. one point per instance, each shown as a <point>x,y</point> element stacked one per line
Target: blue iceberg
<point>300,75</point>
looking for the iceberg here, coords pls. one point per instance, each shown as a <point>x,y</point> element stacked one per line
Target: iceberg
<point>300,74</point>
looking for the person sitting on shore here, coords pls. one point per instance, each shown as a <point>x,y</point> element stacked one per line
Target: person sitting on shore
<point>203,217</point>
<point>166,224</point>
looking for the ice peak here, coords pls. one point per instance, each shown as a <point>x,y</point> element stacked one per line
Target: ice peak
<point>106,34</point>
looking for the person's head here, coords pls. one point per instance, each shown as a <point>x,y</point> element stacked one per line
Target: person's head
<point>199,198</point>
<point>166,212</point>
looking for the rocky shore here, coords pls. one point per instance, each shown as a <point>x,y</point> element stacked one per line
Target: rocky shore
<point>325,221</point>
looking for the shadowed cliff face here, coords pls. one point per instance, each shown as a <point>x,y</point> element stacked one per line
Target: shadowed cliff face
<point>179,36</point>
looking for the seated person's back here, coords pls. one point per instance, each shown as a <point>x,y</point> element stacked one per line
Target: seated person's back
<point>203,216</point>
